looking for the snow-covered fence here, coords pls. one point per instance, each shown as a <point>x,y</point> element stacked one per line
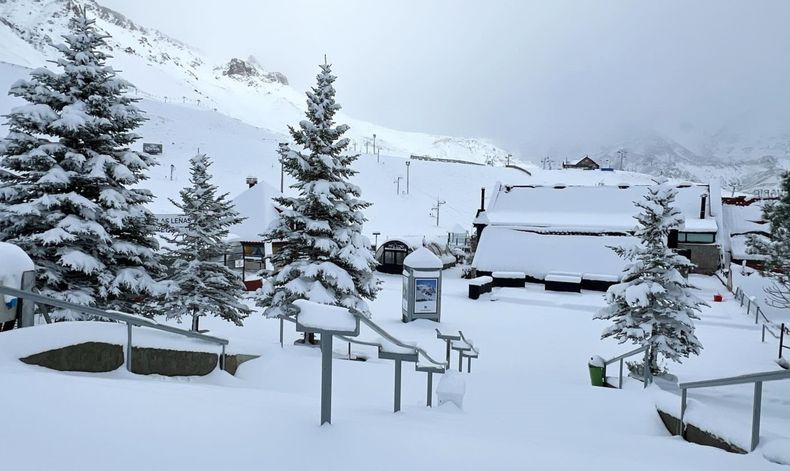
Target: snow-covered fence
<point>778,331</point>
<point>31,298</point>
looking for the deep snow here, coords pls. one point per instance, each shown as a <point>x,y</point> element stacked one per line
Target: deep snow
<point>528,402</point>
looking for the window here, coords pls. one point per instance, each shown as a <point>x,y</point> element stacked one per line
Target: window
<point>697,237</point>
<point>394,257</point>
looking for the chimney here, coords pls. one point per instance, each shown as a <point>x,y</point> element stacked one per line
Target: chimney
<point>251,181</point>
<point>482,199</point>
<point>702,206</point>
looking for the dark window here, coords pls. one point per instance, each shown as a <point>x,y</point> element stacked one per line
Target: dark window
<point>394,257</point>
<point>697,237</point>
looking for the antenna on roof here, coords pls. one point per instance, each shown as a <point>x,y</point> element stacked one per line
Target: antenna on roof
<point>325,59</point>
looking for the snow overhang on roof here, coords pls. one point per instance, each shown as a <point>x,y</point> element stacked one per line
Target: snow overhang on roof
<point>700,225</point>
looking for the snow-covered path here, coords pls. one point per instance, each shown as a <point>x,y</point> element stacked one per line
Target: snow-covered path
<point>528,403</point>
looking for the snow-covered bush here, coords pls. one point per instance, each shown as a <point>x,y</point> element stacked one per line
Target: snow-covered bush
<point>205,286</point>
<point>71,197</point>
<point>654,305</point>
<point>325,258</point>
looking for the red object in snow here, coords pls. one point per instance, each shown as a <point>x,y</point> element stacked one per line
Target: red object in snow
<point>717,298</point>
<point>253,285</point>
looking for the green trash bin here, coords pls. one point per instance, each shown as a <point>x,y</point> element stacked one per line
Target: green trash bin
<point>597,367</point>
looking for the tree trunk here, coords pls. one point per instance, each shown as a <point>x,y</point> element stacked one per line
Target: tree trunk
<point>195,322</point>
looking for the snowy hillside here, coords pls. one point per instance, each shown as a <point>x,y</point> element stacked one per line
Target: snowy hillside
<point>164,69</point>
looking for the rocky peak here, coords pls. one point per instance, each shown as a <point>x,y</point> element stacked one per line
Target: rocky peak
<point>250,71</point>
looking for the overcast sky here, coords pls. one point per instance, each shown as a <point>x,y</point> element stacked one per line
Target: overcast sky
<point>522,73</point>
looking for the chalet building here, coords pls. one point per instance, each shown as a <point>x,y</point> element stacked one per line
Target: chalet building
<point>568,231</point>
<point>391,253</point>
<point>248,251</point>
<point>585,163</point>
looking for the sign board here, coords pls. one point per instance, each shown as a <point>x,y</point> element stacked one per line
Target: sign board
<point>172,220</point>
<point>405,295</point>
<point>151,148</point>
<point>426,294</point>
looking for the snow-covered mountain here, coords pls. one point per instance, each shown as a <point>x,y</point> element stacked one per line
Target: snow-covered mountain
<point>165,69</point>
<point>741,161</point>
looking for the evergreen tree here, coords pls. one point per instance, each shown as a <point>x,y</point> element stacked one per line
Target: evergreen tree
<point>205,285</point>
<point>776,247</point>
<point>654,305</point>
<point>326,259</point>
<point>68,198</point>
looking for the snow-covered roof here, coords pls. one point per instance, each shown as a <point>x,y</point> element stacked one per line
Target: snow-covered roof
<point>591,208</point>
<point>744,219</point>
<point>509,249</point>
<point>739,248</point>
<point>257,206</point>
<point>423,258</point>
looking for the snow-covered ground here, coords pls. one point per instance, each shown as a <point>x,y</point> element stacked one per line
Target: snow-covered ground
<point>528,401</point>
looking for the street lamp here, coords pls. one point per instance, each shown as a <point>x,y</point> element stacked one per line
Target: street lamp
<point>376,243</point>
<point>408,162</point>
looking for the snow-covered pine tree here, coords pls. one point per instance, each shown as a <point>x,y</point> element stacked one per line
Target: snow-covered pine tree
<point>654,305</point>
<point>68,198</point>
<point>326,259</point>
<point>205,286</point>
<point>776,247</point>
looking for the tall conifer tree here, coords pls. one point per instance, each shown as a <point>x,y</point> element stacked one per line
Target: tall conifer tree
<point>325,259</point>
<point>654,305</point>
<point>70,197</point>
<point>205,286</point>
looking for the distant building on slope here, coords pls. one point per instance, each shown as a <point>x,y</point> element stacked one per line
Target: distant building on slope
<point>585,163</point>
<point>541,230</point>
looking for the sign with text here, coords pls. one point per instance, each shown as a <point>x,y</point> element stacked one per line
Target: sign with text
<point>151,148</point>
<point>171,220</point>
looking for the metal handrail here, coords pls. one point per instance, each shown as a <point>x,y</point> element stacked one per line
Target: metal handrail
<point>129,319</point>
<point>622,357</point>
<point>376,328</point>
<point>757,378</point>
<point>114,315</point>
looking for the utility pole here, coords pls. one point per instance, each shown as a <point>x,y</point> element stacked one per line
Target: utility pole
<point>374,143</point>
<point>397,187</point>
<point>622,153</point>
<point>376,235</point>
<point>408,162</point>
<point>438,207</point>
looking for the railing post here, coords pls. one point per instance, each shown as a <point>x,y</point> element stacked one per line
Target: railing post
<point>756,406</point>
<point>129,347</point>
<point>430,389</point>
<point>763,333</point>
<point>396,406</point>
<point>620,380</point>
<point>748,305</point>
<point>27,307</point>
<point>757,315</point>
<point>781,339</point>
<point>683,398</point>
<point>741,299</point>
<point>460,361</point>
<point>281,332</point>
<point>222,359</point>
<point>326,378</point>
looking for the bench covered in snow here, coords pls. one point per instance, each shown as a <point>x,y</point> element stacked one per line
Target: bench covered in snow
<point>510,279</point>
<point>480,285</point>
<point>558,281</point>
<point>598,282</point>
